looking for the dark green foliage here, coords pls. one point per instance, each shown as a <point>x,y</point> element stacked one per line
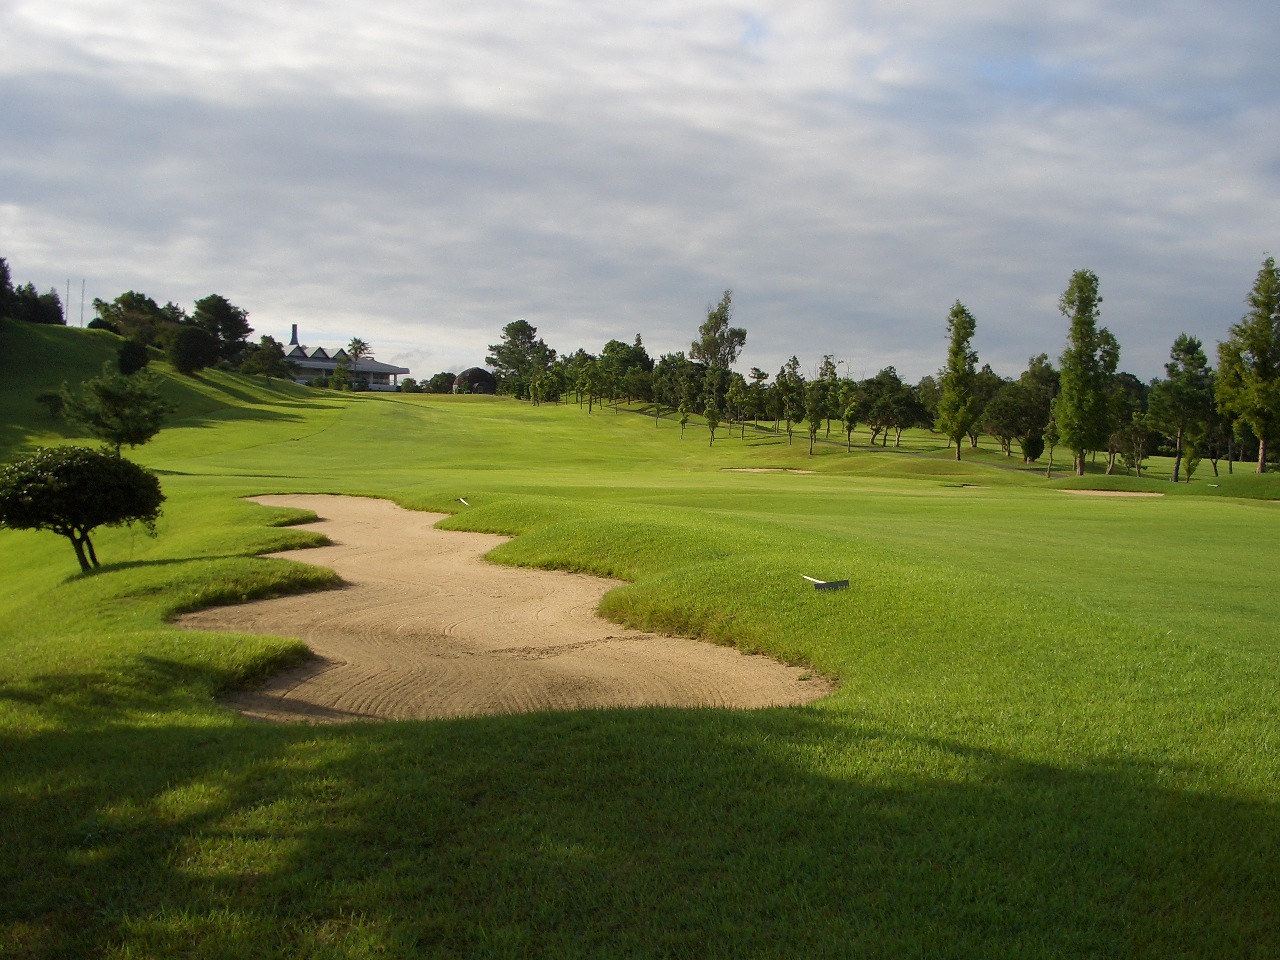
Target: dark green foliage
<point>266,358</point>
<point>678,380</point>
<point>1031,447</point>
<point>1082,409</point>
<point>958,407</point>
<point>815,409</point>
<point>340,379</point>
<point>97,323</point>
<point>626,369</point>
<point>7,298</point>
<point>134,315</point>
<point>132,357</point>
<point>52,401</point>
<point>718,346</point>
<point>788,388</point>
<point>190,349</point>
<point>1179,406</point>
<point>225,322</point>
<point>118,409</point>
<point>32,307</point>
<point>72,490</point>
<point>518,358</point>
<point>1248,386</point>
<point>891,404</point>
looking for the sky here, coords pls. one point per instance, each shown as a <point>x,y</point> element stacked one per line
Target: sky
<point>420,174</point>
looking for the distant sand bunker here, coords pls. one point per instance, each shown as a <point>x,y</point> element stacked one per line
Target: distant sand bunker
<point>765,470</point>
<point>426,628</point>
<point>1112,493</point>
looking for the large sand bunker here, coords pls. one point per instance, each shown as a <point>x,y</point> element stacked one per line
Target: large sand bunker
<point>426,628</point>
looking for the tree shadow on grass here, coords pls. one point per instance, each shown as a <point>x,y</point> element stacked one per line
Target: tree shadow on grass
<point>641,833</point>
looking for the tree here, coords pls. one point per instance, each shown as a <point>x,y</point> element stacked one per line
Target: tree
<point>1126,397</point>
<point>1248,387</point>
<point>518,358</point>
<point>1081,410</point>
<point>852,415</point>
<point>132,357</point>
<point>73,490</point>
<point>118,409</point>
<point>357,350</point>
<point>1002,416</point>
<point>930,394</point>
<point>958,408</point>
<point>340,379</point>
<point>32,307</point>
<point>225,322</point>
<point>191,349</point>
<point>134,314</point>
<point>1179,407</point>
<point>712,416</point>
<point>758,378</point>
<point>627,370</point>
<point>815,409</point>
<point>1051,441</point>
<point>441,382</point>
<point>718,344</point>
<point>737,399</point>
<point>267,358</point>
<point>678,380</point>
<point>1134,439</point>
<point>7,298</point>
<point>788,386</point>
<point>986,384</point>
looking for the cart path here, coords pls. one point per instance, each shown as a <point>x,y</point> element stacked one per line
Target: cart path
<point>426,628</point>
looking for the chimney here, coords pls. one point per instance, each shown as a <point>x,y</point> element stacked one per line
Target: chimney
<point>293,341</point>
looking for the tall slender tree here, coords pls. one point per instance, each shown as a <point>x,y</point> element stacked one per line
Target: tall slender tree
<point>1081,411</point>
<point>958,407</point>
<point>1248,385</point>
<point>1179,406</point>
<point>718,346</point>
<point>357,350</point>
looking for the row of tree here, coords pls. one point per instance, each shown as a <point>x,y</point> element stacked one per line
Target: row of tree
<point>26,303</point>
<point>214,332</point>
<point>1086,404</point>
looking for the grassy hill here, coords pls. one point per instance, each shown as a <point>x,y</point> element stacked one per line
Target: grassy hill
<point>1054,734</point>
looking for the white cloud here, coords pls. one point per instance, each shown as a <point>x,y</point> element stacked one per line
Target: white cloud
<point>421,174</point>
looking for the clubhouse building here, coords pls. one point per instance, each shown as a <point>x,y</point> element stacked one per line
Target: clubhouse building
<point>314,362</point>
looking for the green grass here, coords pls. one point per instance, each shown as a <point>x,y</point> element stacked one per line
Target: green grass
<point>1055,733</point>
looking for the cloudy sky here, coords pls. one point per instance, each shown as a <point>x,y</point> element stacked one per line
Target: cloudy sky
<point>421,173</point>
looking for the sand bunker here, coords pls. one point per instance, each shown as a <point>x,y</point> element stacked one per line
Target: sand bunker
<point>765,470</point>
<point>1112,493</point>
<point>426,628</point>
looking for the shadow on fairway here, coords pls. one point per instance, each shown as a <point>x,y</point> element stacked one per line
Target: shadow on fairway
<point>648,832</point>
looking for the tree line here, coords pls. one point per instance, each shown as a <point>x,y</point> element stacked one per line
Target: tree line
<point>214,332</point>
<point>1085,404</point>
